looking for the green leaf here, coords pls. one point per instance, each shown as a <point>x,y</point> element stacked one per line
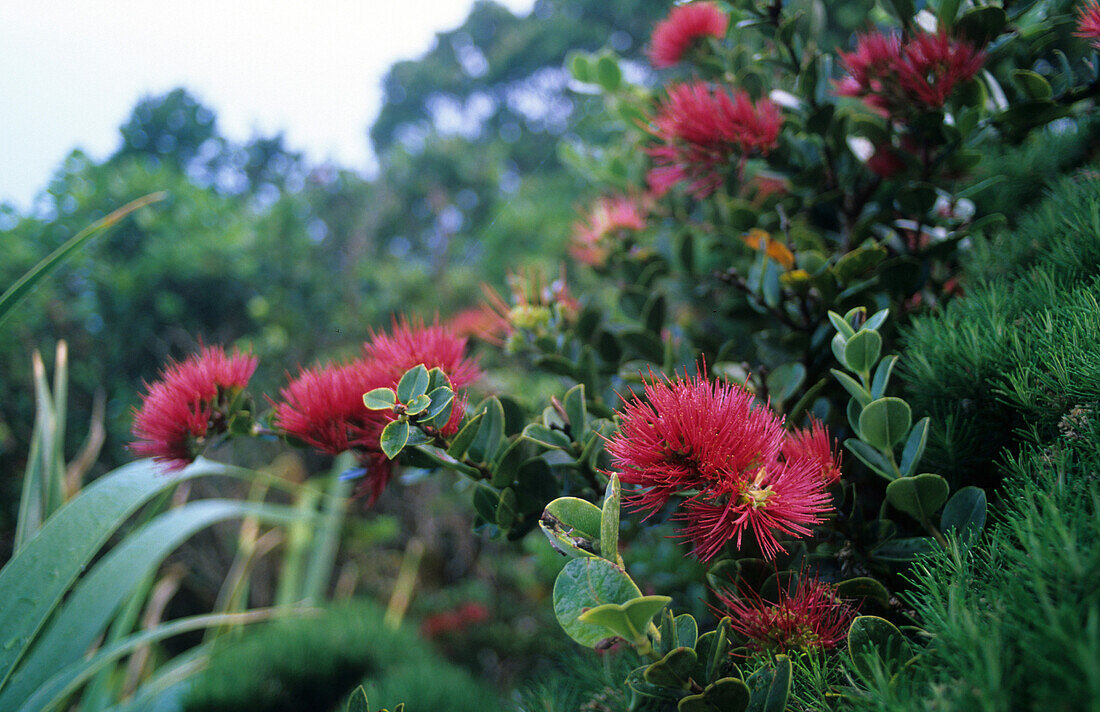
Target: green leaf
<point>965,514</point>
<point>438,379</point>
<point>575,516</point>
<point>439,411</point>
<point>914,447</point>
<point>841,325</point>
<point>684,631</point>
<point>380,399</point>
<point>418,404</point>
<point>486,500</point>
<point>1033,85</point>
<point>981,25</point>
<point>579,66</point>
<point>712,649</point>
<point>729,694</point>
<point>653,314</point>
<point>34,580</point>
<point>636,681</point>
<point>608,74</point>
<point>771,687</point>
<point>506,508</point>
<point>863,587</point>
<point>876,643</point>
<point>919,496</point>
<point>358,701</point>
<point>93,603</point>
<point>853,411</point>
<point>885,422</point>
<point>573,403</point>
<point>587,583</point>
<point>785,380</point>
<point>870,457</point>
<point>862,351</point>
<point>488,440</point>
<point>505,468</point>
<point>609,520</point>
<point>17,292</point>
<point>629,620</point>
<point>465,437</point>
<point>882,376</point>
<point>547,437</point>
<point>672,670</point>
<point>838,344</point>
<point>851,385</point>
<point>903,549</point>
<point>394,437</point>
<point>857,262</point>
<point>413,383</point>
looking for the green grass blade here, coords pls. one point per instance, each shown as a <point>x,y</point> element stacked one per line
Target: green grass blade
<point>30,499</point>
<point>327,539</point>
<point>23,286</point>
<point>167,685</point>
<point>67,681</point>
<point>34,581</point>
<point>56,461</point>
<point>96,599</point>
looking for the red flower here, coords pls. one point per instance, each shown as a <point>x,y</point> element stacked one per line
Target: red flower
<point>412,343</point>
<point>813,618</point>
<point>1088,22</point>
<point>674,36</point>
<point>700,130</point>
<point>815,445</point>
<point>607,222</point>
<point>188,405</point>
<point>900,77</point>
<point>323,408</point>
<point>730,460</point>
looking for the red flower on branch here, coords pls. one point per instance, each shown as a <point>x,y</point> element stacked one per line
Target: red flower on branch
<point>730,460</point>
<point>189,404</point>
<point>411,343</point>
<point>1088,22</point>
<point>685,24</point>
<point>813,618</point>
<point>700,129</point>
<point>610,219</point>
<point>899,77</point>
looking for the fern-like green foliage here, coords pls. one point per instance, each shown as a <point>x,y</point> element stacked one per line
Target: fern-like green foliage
<point>315,662</point>
<point>1004,364</point>
<point>1016,620</point>
<point>584,680</point>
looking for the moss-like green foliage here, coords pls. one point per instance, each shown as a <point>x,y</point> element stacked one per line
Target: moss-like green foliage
<point>1029,167</point>
<point>1005,363</point>
<point>1017,619</point>
<point>314,662</point>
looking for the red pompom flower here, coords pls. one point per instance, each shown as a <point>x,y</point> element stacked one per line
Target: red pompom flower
<point>411,343</point>
<point>1088,22</point>
<point>733,462</point>
<point>189,404</point>
<point>815,445</point>
<point>813,618</point>
<point>700,129</point>
<point>899,77</point>
<point>685,24</point>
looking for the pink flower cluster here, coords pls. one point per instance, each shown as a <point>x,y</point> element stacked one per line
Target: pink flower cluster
<point>188,406</point>
<point>700,129</point>
<point>323,406</point>
<point>734,464</point>
<point>684,26</point>
<point>1088,22</point>
<point>899,77</point>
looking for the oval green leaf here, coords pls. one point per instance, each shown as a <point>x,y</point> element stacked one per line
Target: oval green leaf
<point>587,583</point>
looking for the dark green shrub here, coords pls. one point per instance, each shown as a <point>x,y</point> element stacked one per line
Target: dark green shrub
<point>1015,620</point>
<point>314,662</point>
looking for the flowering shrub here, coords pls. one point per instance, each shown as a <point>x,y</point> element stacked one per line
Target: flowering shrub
<point>786,173</point>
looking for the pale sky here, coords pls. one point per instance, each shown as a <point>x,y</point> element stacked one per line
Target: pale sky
<point>71,71</point>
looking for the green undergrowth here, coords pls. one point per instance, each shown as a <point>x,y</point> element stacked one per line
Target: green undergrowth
<point>314,662</point>
<point>1016,620</point>
<point>1021,173</point>
<point>1021,349</point>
